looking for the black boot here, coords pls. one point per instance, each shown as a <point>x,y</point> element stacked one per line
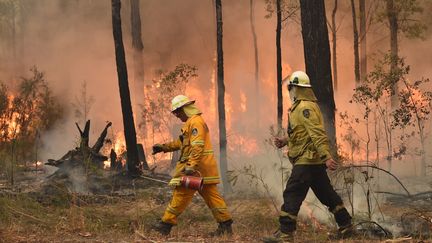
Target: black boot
<point>223,228</point>
<point>162,227</point>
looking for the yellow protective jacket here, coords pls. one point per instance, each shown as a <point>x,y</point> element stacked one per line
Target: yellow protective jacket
<point>307,140</point>
<point>196,151</point>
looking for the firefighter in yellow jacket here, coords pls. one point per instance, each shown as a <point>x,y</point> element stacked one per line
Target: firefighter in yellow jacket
<point>309,152</point>
<point>196,158</point>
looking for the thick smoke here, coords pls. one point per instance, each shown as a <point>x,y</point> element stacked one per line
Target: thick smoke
<point>71,41</point>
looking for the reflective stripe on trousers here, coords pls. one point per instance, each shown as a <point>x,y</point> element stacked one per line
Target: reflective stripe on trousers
<point>183,196</point>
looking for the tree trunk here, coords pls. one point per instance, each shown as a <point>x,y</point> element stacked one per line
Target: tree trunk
<point>14,51</point>
<point>363,49</point>
<point>356,45</point>
<point>394,28</point>
<point>334,50</point>
<point>99,143</point>
<point>84,140</point>
<point>317,59</point>
<point>255,45</point>
<point>137,46</point>
<point>221,101</point>
<point>279,65</point>
<point>128,121</point>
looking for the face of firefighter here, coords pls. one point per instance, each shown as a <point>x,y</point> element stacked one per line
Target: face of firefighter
<point>292,93</point>
<point>180,114</point>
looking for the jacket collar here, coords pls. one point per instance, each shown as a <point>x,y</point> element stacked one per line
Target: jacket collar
<point>303,94</point>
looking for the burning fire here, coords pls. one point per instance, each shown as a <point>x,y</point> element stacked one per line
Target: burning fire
<point>119,147</point>
<point>11,121</point>
<point>107,164</point>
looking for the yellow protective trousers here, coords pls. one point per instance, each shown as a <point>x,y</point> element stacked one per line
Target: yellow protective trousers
<point>183,196</point>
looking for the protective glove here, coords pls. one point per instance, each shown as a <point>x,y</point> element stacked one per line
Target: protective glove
<point>157,148</point>
<point>189,171</point>
<point>332,164</point>
<point>280,142</point>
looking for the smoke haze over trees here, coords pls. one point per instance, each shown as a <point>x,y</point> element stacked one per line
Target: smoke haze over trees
<point>71,41</point>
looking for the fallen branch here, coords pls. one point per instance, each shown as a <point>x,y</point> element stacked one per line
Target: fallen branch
<point>143,236</point>
<point>391,193</point>
<point>27,215</point>
<point>377,168</point>
<point>402,239</point>
<point>386,232</point>
<point>417,195</point>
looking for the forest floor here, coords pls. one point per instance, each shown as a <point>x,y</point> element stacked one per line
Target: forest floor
<point>26,216</point>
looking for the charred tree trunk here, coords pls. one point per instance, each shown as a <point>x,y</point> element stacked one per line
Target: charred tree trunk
<point>317,59</point>
<point>99,143</point>
<point>356,45</point>
<point>84,140</point>
<point>137,45</point>
<point>363,49</point>
<point>279,65</point>
<point>141,156</point>
<point>221,100</point>
<point>255,45</point>
<point>334,50</point>
<point>394,28</point>
<point>113,159</point>
<point>14,49</point>
<point>128,120</point>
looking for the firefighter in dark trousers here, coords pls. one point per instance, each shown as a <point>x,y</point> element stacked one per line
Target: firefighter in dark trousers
<point>309,152</point>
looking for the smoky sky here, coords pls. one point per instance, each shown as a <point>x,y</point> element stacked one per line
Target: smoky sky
<point>71,41</point>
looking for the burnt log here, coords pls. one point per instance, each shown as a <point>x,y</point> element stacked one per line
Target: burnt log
<point>84,154</point>
<point>99,143</point>
<point>115,163</point>
<point>84,135</point>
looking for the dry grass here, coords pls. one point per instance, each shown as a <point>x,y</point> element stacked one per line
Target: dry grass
<point>23,219</point>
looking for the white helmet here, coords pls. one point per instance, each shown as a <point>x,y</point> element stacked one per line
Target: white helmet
<point>180,101</point>
<point>299,78</point>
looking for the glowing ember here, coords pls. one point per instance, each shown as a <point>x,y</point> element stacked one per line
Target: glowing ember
<point>107,164</point>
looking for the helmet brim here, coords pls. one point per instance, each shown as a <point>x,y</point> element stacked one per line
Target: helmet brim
<point>301,85</point>
<point>185,104</point>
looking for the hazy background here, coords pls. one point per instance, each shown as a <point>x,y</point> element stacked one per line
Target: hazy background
<point>71,41</point>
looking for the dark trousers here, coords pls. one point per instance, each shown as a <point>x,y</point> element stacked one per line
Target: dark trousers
<point>315,177</point>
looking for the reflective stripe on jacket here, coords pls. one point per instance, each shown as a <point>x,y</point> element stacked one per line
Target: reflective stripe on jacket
<point>307,140</point>
<point>196,151</point>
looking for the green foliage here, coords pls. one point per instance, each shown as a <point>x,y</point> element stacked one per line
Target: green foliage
<point>157,106</point>
<point>25,113</point>
<point>406,117</point>
<point>408,17</point>
<point>414,103</point>
<point>34,105</point>
<point>289,9</point>
<point>351,137</point>
<point>381,80</point>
